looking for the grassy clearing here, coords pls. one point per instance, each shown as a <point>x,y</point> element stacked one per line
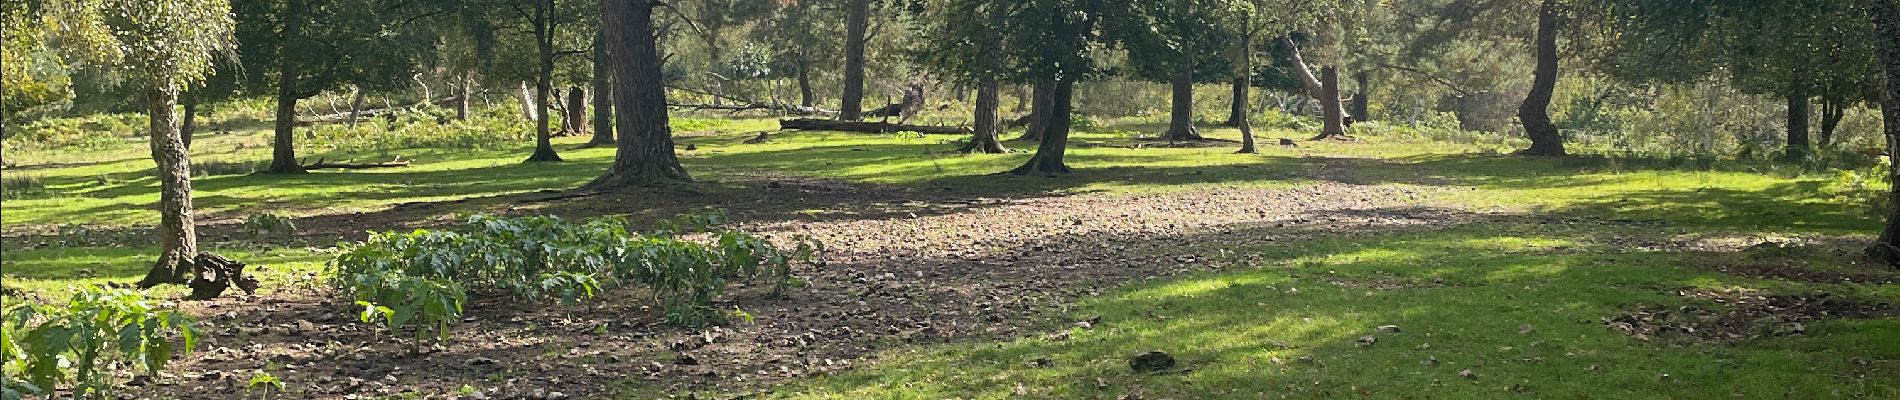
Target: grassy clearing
<point>115,188</point>
<point>1461,296</point>
<point>1291,328</point>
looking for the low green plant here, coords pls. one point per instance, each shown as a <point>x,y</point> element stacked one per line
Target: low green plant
<point>16,186</point>
<point>265,383</point>
<point>422,276</point>
<point>221,168</point>
<point>1864,189</point>
<point>43,346</point>
<point>267,227</point>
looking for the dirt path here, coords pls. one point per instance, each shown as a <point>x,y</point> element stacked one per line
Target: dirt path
<point>902,269</point>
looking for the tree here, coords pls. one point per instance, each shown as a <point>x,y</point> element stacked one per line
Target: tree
<point>1535,112</point>
<point>857,21</point>
<point>1885,16</point>
<point>1052,41</point>
<point>1796,50</point>
<point>300,48</point>
<point>970,53</point>
<point>23,86</point>
<point>165,46</point>
<point>1329,25</point>
<point>603,82</point>
<point>1171,41</point>
<point>644,154</point>
<point>545,25</point>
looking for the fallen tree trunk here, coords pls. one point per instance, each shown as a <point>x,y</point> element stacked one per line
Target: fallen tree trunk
<point>793,109</point>
<point>371,113</point>
<point>321,164</point>
<point>871,127</point>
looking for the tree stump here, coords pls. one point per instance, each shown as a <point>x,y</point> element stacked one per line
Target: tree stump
<point>216,273</point>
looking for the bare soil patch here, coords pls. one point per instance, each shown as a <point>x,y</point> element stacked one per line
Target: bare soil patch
<point>1740,317</point>
<point>904,268</point>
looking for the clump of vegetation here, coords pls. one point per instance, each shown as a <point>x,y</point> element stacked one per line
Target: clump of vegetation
<point>265,227</point>
<point>1864,189</point>
<point>44,346</point>
<point>423,277</point>
<point>91,132</point>
<point>423,128</point>
<point>15,187</point>
<point>688,124</point>
<point>221,168</point>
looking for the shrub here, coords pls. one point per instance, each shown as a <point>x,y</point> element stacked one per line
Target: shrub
<point>201,169</point>
<point>264,227</point>
<point>16,187</point>
<point>1864,189</point>
<point>402,277</point>
<point>92,132</point>
<point>422,129</point>
<point>43,346</point>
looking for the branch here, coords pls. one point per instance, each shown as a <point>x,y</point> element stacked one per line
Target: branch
<point>1448,84</point>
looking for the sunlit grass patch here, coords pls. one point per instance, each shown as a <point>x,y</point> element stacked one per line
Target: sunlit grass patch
<point>1525,322</point>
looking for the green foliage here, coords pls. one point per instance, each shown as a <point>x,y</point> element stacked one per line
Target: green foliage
<point>395,300</point>
<point>264,382</point>
<point>1864,189</point>
<point>18,186</point>
<point>428,128</point>
<point>165,44</point>
<point>688,124</point>
<point>268,227</point>
<point>89,133</point>
<point>400,277</point>
<point>43,346</point>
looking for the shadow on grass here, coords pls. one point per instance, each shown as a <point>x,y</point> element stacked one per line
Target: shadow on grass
<point>1518,305</point>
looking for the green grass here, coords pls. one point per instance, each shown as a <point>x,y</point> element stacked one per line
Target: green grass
<point>115,188</point>
<point>1244,334</point>
<point>1241,333</point>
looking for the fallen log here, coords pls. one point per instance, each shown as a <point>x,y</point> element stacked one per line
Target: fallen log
<point>871,127</point>
<point>792,109</point>
<point>321,164</point>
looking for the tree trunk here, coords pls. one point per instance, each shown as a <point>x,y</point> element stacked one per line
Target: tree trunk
<point>283,150</point>
<point>809,124</point>
<point>1832,111</point>
<point>603,93</point>
<point>1055,135</point>
<point>190,126</point>
<point>857,21</point>
<point>1886,17</point>
<point>644,137</point>
<point>1362,102</point>
<point>806,97</point>
<point>462,102</point>
<point>543,83</point>
<point>576,119</point>
<point>1243,84</point>
<point>1305,73</point>
<point>1238,105</point>
<point>527,103</point>
<point>1535,112</point>
<point>356,107</point>
<point>1022,98</point>
<point>987,101</point>
<point>177,235</point>
<point>1330,108</point>
<point>1797,146</point>
<point>1181,118</point>
<point>1041,104</point>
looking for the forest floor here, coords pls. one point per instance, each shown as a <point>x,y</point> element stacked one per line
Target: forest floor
<point>1389,267</point>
